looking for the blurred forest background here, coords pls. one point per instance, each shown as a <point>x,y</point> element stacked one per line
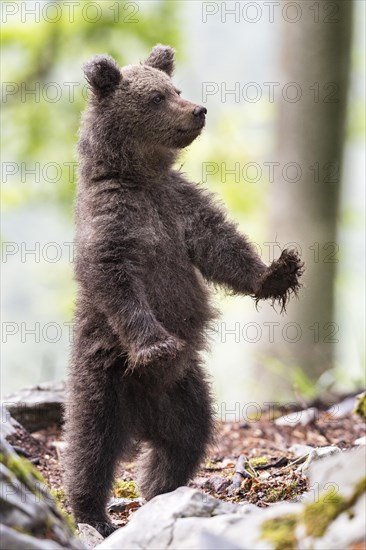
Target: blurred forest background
<point>284,89</point>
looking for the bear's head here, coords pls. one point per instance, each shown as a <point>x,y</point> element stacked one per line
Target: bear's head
<point>140,103</point>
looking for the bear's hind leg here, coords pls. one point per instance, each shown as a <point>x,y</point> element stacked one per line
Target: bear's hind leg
<point>179,433</point>
<point>98,433</point>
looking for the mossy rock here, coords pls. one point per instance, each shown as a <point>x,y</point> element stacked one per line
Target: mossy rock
<point>59,495</point>
<point>316,517</point>
<point>125,489</point>
<point>280,532</point>
<point>23,470</point>
<point>258,461</point>
<point>319,515</point>
<point>32,518</point>
<point>360,407</point>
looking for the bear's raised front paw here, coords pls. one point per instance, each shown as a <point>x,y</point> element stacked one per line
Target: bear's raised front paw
<point>281,279</point>
<point>159,350</point>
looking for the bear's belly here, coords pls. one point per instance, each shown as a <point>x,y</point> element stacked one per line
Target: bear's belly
<point>178,296</point>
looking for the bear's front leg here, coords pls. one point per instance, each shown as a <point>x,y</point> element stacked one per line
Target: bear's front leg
<point>155,347</point>
<point>119,293</point>
<point>281,279</point>
<point>226,257</point>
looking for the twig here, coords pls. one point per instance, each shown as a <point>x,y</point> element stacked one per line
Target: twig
<point>299,460</point>
<point>240,472</point>
<point>283,461</point>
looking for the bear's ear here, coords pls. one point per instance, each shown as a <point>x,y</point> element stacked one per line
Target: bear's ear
<point>162,58</point>
<point>103,75</point>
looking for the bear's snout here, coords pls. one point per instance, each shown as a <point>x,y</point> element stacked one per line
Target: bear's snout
<point>200,111</point>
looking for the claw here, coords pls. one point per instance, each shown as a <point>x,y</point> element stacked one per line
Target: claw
<point>281,280</point>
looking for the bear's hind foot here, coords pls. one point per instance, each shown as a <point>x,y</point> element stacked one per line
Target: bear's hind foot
<point>105,528</point>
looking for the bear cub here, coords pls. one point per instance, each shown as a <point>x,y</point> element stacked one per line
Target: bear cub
<point>147,240</point>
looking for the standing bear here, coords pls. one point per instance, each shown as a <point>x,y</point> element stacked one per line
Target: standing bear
<point>147,240</point>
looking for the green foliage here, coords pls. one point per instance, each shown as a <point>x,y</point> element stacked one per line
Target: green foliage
<point>221,162</point>
<point>294,377</point>
<point>45,92</point>
<point>46,56</point>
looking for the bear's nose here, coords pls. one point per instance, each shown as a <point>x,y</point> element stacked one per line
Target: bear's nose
<point>199,110</point>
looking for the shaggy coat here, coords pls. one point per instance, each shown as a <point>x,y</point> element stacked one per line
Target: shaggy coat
<point>147,239</point>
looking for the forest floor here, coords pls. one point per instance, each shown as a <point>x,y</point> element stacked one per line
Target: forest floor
<point>251,461</point>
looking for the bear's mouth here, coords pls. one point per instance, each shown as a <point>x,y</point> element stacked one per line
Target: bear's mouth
<point>190,130</point>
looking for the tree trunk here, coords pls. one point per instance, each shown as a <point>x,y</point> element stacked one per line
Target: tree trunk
<point>306,188</point>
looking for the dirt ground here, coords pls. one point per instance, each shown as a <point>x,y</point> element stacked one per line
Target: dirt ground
<point>265,472</point>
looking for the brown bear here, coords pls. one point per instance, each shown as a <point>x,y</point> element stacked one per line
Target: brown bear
<point>146,241</point>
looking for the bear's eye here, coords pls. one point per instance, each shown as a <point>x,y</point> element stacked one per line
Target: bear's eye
<point>158,98</point>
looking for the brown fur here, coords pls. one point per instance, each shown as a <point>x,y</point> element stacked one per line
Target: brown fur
<point>281,280</point>
<point>146,240</point>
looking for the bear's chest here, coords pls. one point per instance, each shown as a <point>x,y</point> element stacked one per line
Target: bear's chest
<point>161,227</point>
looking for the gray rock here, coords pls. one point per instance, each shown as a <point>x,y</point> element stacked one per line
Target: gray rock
<point>8,425</point>
<point>186,519</point>
<point>180,520</point>
<point>344,408</point>
<point>299,450</point>
<point>340,474</point>
<point>345,530</point>
<point>360,441</point>
<point>14,540</point>
<point>298,418</point>
<point>37,407</point>
<point>90,536</point>
<point>208,541</point>
<point>218,483</point>
<point>160,516</point>
<point>343,469</point>
<point>29,515</point>
<point>317,454</point>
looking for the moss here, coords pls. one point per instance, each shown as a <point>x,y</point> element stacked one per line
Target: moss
<point>360,489</point>
<point>28,475</point>
<point>22,531</point>
<point>70,520</point>
<point>59,497</point>
<point>318,515</point>
<point>23,470</point>
<point>280,532</point>
<point>360,407</point>
<point>212,465</point>
<point>125,489</point>
<point>258,461</point>
<point>274,495</point>
<point>286,491</point>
